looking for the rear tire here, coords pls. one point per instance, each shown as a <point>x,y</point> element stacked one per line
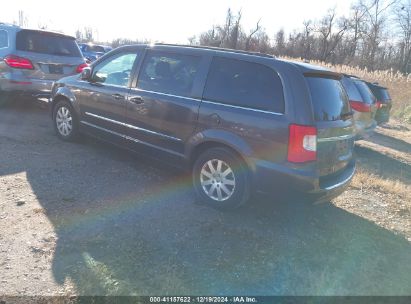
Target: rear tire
<point>221,179</point>
<point>65,121</point>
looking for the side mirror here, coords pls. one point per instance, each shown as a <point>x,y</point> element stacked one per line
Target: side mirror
<point>86,74</point>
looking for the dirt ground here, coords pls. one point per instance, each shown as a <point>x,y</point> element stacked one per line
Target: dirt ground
<point>91,219</point>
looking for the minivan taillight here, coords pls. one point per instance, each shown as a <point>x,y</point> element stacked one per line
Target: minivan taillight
<point>360,106</point>
<point>18,62</point>
<point>302,144</point>
<point>81,67</point>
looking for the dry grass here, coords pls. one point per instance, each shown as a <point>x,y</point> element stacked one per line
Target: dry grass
<point>398,85</point>
<point>363,179</point>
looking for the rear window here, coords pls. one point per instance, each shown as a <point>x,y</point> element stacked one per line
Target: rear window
<point>47,43</point>
<point>329,99</point>
<point>380,93</point>
<point>96,48</point>
<point>365,91</point>
<point>351,89</point>
<point>4,40</point>
<point>244,84</point>
<point>385,95</point>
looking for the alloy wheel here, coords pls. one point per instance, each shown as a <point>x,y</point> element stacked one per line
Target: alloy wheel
<point>217,180</point>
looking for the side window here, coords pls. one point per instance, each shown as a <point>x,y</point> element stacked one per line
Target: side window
<point>245,84</point>
<point>4,40</point>
<point>115,70</point>
<point>168,73</point>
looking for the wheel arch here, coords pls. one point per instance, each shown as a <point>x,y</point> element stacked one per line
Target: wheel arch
<point>219,139</point>
<point>63,93</point>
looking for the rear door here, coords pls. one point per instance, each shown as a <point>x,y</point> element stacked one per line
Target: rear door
<point>333,117</point>
<point>53,55</point>
<point>162,107</point>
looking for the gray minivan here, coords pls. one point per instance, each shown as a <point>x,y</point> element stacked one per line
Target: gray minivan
<point>239,121</point>
<point>31,60</point>
<point>363,103</point>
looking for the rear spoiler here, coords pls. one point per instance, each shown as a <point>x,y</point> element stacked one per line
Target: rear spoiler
<point>324,74</point>
<point>51,33</point>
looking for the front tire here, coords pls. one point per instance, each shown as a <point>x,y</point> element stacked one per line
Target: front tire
<point>65,121</point>
<point>221,179</point>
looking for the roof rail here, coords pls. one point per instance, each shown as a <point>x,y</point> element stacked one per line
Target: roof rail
<point>218,49</point>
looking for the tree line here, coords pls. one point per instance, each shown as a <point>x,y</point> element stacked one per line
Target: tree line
<point>375,35</point>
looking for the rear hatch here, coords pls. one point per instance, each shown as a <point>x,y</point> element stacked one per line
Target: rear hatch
<point>384,103</point>
<point>333,117</point>
<point>368,98</point>
<point>53,55</point>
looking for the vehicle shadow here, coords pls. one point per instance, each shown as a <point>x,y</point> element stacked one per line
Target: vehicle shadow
<point>390,142</point>
<point>128,226</point>
<point>383,165</point>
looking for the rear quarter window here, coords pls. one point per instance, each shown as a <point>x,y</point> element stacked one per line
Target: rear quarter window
<point>244,84</point>
<point>47,43</point>
<point>4,39</point>
<point>329,98</point>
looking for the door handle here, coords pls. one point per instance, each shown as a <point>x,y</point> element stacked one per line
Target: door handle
<point>117,96</point>
<point>137,100</point>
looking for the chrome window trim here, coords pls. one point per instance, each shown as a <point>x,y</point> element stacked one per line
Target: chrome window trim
<point>209,102</point>
<point>166,94</point>
<point>129,138</point>
<point>243,108</point>
<point>131,126</point>
<point>335,138</point>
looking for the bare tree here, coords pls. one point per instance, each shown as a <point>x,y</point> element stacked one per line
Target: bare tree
<point>23,21</point>
<point>252,33</point>
<point>279,47</point>
<point>376,13</point>
<point>402,13</point>
<point>356,29</point>
<point>366,37</point>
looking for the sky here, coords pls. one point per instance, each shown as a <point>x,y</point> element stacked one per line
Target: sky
<point>169,21</point>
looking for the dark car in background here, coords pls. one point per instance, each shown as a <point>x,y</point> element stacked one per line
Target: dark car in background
<point>93,51</point>
<point>384,102</point>
<point>239,121</point>
<point>363,104</point>
<point>31,60</point>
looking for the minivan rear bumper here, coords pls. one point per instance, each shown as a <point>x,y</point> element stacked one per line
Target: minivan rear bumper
<point>277,179</point>
<point>363,125</point>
